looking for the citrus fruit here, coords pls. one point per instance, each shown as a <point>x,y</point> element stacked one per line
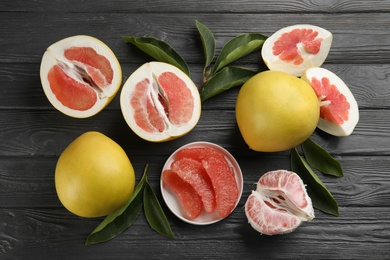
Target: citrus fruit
<point>279,204</point>
<point>220,173</point>
<point>190,200</point>
<point>192,172</point>
<point>160,102</point>
<point>93,176</point>
<point>339,112</point>
<point>276,111</point>
<point>80,75</point>
<point>295,48</point>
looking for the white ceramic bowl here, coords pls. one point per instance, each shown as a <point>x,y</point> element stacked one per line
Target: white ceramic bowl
<point>174,204</point>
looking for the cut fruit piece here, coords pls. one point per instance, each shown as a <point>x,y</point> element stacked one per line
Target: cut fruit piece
<point>339,112</point>
<point>192,172</point>
<point>80,75</point>
<point>295,48</point>
<point>190,201</point>
<point>160,102</point>
<point>280,203</point>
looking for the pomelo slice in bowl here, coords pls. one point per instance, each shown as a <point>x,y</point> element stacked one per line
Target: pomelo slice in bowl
<point>339,112</point>
<point>160,102</point>
<point>295,48</point>
<point>227,184</point>
<point>80,75</point>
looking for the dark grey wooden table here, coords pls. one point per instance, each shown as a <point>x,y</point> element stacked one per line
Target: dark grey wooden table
<point>33,223</point>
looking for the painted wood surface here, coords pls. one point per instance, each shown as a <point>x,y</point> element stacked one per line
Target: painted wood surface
<point>33,223</point>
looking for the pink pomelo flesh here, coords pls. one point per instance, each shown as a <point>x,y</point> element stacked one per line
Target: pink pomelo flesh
<point>192,172</point>
<point>93,72</point>
<point>173,96</point>
<point>286,46</point>
<point>335,106</point>
<point>279,204</point>
<point>189,199</point>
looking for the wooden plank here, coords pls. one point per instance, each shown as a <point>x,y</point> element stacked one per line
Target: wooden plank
<point>47,133</point>
<point>22,87</point>
<point>358,43</point>
<point>29,182</point>
<point>188,6</point>
<point>55,233</point>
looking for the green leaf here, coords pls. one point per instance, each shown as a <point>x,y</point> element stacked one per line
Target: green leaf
<point>120,220</point>
<point>208,42</point>
<point>321,197</point>
<point>159,50</point>
<point>225,79</point>
<point>320,159</point>
<point>238,47</point>
<point>155,214</point>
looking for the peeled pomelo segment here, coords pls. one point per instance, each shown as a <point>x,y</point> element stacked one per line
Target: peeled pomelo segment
<point>170,102</point>
<point>189,199</point>
<point>224,185</point>
<point>80,75</point>
<point>339,112</point>
<point>295,48</point>
<point>192,172</point>
<point>203,153</point>
<point>267,220</point>
<point>286,190</point>
<point>279,204</point>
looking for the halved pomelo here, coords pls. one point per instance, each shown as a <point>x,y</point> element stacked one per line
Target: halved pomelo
<point>190,200</point>
<point>339,112</point>
<point>279,204</point>
<point>80,75</point>
<point>295,48</point>
<point>160,102</point>
<point>192,172</point>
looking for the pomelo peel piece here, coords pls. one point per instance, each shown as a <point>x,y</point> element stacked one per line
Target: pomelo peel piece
<point>295,48</point>
<point>80,75</point>
<point>339,111</point>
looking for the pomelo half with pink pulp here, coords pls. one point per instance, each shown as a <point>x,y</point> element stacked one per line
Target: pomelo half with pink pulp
<point>160,102</point>
<point>225,185</point>
<point>339,112</point>
<point>295,48</point>
<point>80,75</point>
<point>279,204</point>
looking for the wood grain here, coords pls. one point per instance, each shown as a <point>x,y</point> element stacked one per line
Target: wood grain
<point>34,224</point>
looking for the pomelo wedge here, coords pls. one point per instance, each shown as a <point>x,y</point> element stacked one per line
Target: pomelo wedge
<point>279,204</point>
<point>192,172</point>
<point>190,200</point>
<point>160,102</point>
<point>80,75</point>
<point>295,48</point>
<point>339,112</point>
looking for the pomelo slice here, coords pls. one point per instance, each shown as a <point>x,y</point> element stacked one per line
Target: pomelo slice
<point>191,202</point>
<point>295,48</point>
<point>339,112</point>
<point>192,172</point>
<point>279,204</point>
<point>160,102</point>
<point>80,75</point>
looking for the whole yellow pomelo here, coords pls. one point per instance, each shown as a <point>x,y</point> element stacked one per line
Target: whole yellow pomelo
<point>94,176</point>
<point>276,111</point>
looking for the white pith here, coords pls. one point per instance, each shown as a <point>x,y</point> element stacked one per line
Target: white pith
<point>54,55</point>
<point>152,71</point>
<point>310,60</point>
<point>348,126</point>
